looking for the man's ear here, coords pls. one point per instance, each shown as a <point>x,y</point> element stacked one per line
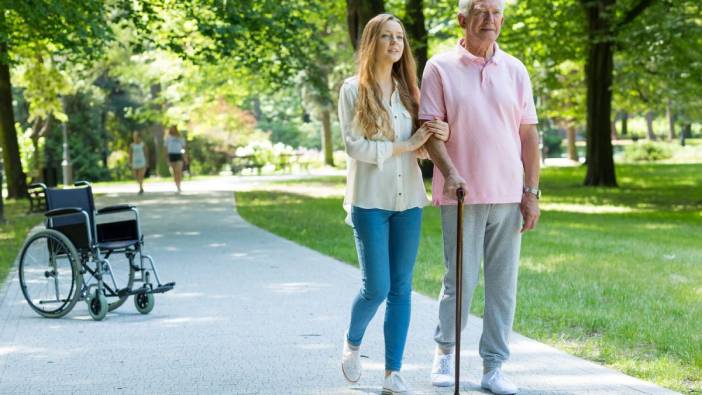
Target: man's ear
<point>462,20</point>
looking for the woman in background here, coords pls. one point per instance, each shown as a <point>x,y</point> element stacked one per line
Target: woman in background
<point>138,160</point>
<point>175,149</point>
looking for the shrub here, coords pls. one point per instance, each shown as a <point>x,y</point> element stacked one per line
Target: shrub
<point>552,142</point>
<point>646,152</point>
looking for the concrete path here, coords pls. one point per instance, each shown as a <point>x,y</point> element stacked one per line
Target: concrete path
<point>251,314</point>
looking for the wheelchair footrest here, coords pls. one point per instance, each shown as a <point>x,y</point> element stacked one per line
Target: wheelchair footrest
<point>163,288</point>
<point>158,290</point>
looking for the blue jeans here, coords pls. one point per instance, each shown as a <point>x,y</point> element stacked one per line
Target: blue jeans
<point>386,242</point>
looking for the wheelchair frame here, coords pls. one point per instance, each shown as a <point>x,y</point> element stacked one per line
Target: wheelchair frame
<point>89,259</point>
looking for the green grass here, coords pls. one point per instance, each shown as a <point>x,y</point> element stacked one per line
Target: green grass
<point>13,232</point>
<point>612,275</point>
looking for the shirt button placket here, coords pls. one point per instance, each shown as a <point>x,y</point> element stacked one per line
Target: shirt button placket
<point>399,200</point>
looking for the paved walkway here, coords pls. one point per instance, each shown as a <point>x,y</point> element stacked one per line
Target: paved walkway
<point>251,314</point>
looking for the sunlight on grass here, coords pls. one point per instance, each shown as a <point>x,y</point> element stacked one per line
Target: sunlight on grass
<point>584,208</point>
<point>611,275</point>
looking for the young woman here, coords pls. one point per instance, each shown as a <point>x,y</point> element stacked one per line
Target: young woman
<point>137,158</point>
<point>384,189</point>
<point>175,147</point>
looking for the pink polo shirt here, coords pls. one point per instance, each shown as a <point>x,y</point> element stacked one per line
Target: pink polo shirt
<point>484,104</point>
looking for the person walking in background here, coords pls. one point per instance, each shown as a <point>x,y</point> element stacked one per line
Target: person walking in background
<point>384,189</point>
<point>175,149</point>
<point>493,154</point>
<point>138,160</point>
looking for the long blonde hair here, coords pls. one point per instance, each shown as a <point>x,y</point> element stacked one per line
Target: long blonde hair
<point>371,115</point>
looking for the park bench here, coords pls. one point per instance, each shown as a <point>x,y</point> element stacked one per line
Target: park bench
<point>37,198</point>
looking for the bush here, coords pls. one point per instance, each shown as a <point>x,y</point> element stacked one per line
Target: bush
<point>646,152</point>
<point>206,156</point>
<point>552,141</point>
<point>118,163</point>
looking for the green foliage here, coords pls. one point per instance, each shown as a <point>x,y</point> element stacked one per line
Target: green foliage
<point>86,139</point>
<point>553,141</point>
<point>646,152</point>
<point>206,156</point>
<point>76,30</point>
<point>118,163</point>
<point>14,232</point>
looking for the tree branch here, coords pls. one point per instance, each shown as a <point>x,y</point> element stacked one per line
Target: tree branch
<point>635,12</point>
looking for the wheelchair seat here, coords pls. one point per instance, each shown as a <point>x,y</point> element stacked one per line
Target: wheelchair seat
<point>117,245</point>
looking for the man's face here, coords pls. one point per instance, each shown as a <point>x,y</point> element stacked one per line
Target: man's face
<point>483,22</point>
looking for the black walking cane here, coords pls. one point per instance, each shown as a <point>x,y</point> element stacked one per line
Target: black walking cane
<point>460,194</point>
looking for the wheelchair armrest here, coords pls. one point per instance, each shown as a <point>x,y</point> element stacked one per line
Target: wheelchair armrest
<point>63,211</point>
<point>81,183</point>
<point>37,185</point>
<point>116,208</point>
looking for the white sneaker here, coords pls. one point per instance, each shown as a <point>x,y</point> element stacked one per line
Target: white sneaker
<point>496,382</point>
<point>351,363</point>
<point>442,370</point>
<point>395,384</point>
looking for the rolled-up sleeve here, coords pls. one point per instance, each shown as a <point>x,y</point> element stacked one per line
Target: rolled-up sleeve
<point>357,146</point>
<point>431,103</point>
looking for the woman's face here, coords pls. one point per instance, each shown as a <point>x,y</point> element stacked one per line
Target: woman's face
<point>136,137</point>
<point>390,43</point>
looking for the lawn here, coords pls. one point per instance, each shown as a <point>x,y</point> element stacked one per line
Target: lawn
<point>612,275</point>
<point>13,232</point>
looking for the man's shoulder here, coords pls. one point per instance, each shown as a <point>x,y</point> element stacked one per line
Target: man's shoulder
<point>513,61</point>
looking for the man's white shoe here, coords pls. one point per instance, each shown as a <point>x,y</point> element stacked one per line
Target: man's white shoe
<point>351,363</point>
<point>496,382</point>
<point>442,370</point>
<point>394,384</point>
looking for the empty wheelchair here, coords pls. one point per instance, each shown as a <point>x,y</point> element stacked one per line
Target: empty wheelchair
<point>68,261</point>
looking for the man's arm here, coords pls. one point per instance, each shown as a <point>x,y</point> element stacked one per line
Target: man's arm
<point>440,157</point>
<point>529,137</point>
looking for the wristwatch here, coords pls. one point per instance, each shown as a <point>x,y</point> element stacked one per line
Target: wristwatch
<point>534,191</point>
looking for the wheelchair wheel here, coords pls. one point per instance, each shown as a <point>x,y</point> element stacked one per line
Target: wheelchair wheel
<point>97,306</point>
<point>49,273</point>
<point>144,302</point>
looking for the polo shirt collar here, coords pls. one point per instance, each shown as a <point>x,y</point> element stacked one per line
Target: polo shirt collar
<point>466,57</point>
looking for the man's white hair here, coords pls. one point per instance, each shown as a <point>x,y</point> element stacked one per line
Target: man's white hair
<point>465,5</point>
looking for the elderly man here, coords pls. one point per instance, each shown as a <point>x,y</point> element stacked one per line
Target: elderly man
<point>493,153</point>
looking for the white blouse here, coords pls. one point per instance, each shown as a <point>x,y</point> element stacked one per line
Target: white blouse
<point>376,178</point>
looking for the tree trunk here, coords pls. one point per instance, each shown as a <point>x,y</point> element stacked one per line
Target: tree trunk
<point>39,125</point>
<point>572,150</point>
<point>598,71</point>
<point>257,108</point>
<point>671,121</point>
<point>358,13</point>
<point>684,132</point>
<point>158,130</point>
<point>417,31</point>
<point>2,203</point>
<point>327,138</point>
<point>649,126</point>
<point>16,181</point>
<point>625,119</point>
